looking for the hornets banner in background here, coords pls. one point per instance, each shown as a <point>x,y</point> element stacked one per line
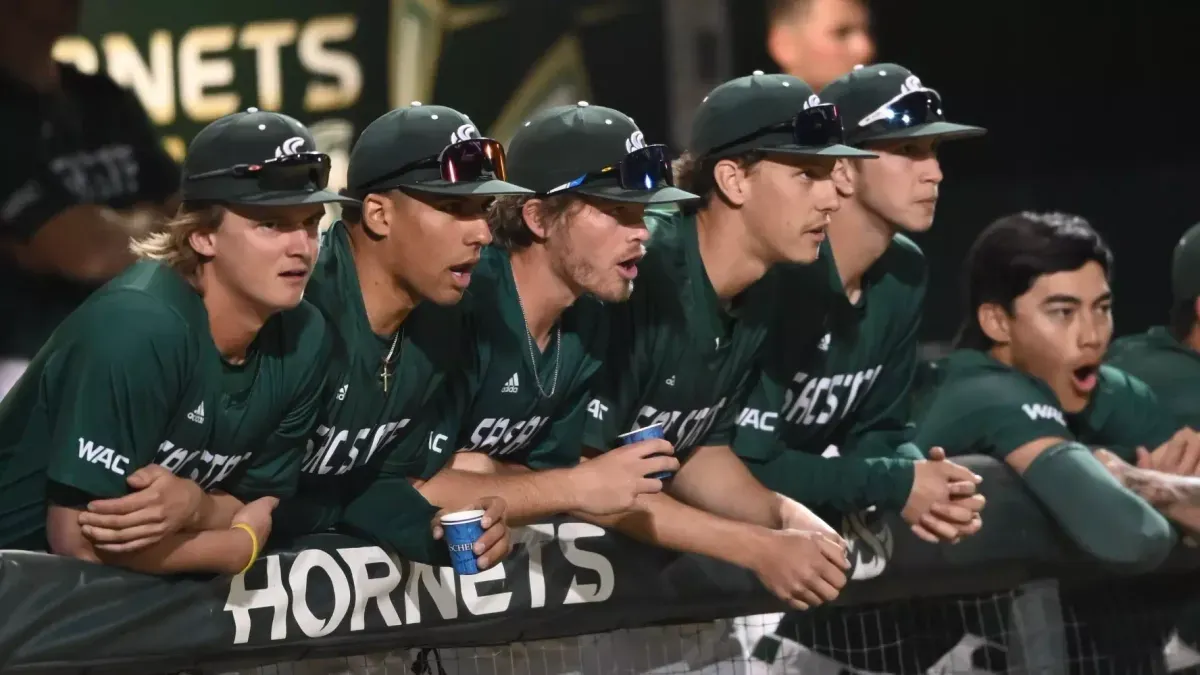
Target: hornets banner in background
<point>338,64</point>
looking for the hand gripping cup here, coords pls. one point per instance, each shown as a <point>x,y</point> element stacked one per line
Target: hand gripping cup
<point>462,529</point>
<point>645,434</point>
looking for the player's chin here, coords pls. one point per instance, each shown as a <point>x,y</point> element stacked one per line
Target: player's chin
<point>446,295</point>
<point>616,289</point>
<point>803,252</point>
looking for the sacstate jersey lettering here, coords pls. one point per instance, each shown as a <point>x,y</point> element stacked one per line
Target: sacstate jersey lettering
<point>821,400</point>
<point>1042,411</point>
<point>336,451</point>
<point>683,428</point>
<point>207,469</point>
<point>499,436</point>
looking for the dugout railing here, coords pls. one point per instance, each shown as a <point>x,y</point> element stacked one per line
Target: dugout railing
<point>338,596</point>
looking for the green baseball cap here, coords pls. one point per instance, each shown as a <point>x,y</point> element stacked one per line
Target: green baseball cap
<point>1185,266</point>
<point>778,114</point>
<point>886,101</point>
<point>259,158</point>
<point>591,150</point>
<point>427,148</point>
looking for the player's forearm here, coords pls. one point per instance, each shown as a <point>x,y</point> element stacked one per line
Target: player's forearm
<point>660,520</point>
<point>844,483</point>
<point>530,496</point>
<point>224,551</point>
<point>715,480</point>
<point>216,512</point>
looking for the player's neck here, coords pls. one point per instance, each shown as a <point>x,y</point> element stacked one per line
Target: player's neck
<point>858,239</point>
<point>1193,338</point>
<point>1002,353</point>
<point>543,292</point>
<point>233,319</point>
<point>732,266</point>
<point>29,63</point>
<point>387,301</point>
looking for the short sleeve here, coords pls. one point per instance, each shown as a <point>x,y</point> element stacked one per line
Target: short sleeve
<point>724,428</point>
<point>274,470</point>
<point>110,395</point>
<point>991,413</point>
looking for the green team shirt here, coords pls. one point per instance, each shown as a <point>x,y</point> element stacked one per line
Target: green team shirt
<point>93,144</point>
<point>363,431</point>
<point>982,406</point>
<point>835,380</point>
<point>133,378</point>
<point>1171,368</point>
<point>510,418</point>
<point>676,355</point>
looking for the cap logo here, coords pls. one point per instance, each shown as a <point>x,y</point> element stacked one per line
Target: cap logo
<point>289,147</point>
<point>813,100</point>
<point>911,83</point>
<point>636,141</point>
<point>464,133</point>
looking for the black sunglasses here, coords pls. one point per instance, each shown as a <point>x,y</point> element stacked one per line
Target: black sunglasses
<point>466,161</point>
<point>647,168</point>
<point>301,171</point>
<point>905,111</point>
<point>816,127</point>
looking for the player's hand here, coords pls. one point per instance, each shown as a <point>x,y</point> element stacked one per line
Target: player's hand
<point>494,545</point>
<point>1180,455</point>
<point>161,504</point>
<point>802,568</point>
<point>611,483</point>
<point>940,506</point>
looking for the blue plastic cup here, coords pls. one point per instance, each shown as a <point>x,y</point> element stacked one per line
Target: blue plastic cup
<point>645,434</point>
<point>462,529</point>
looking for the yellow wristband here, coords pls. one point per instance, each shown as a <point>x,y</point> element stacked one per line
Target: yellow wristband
<point>253,541</point>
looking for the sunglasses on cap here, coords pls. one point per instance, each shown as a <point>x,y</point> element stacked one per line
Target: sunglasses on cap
<point>815,127</point>
<point>468,161</point>
<point>301,171</point>
<point>909,109</point>
<point>647,168</point>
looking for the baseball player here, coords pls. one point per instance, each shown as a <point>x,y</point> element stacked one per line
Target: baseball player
<point>828,424</point>
<point>1166,357</point>
<point>160,423</point>
<point>562,254</point>
<point>683,350</point>
<point>389,281</point>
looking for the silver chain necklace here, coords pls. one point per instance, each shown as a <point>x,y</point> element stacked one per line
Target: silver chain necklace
<point>385,374</point>
<point>533,358</point>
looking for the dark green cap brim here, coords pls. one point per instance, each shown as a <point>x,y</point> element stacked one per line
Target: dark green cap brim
<point>945,130</point>
<point>667,195</point>
<point>487,188</point>
<point>292,198</point>
<point>827,151</point>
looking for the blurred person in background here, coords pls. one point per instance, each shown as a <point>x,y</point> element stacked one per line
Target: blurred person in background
<point>1168,357</point>
<point>158,427</point>
<point>818,41</point>
<point>83,171</point>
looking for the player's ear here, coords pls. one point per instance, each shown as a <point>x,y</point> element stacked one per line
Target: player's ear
<point>533,212</point>
<point>995,322</point>
<point>378,213</point>
<point>730,177</point>
<point>843,177</point>
<point>203,240</point>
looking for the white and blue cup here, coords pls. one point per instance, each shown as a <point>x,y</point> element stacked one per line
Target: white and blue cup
<point>645,434</point>
<point>462,529</point>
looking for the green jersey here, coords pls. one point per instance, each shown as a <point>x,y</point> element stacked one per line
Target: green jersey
<point>530,412</point>
<point>362,428</point>
<point>133,378</point>
<point>835,381</point>
<point>93,144</point>
<point>982,406</point>
<point>677,355</point>
<point>1172,370</point>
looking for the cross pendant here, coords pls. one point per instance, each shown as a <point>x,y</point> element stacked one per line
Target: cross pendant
<point>385,376</point>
